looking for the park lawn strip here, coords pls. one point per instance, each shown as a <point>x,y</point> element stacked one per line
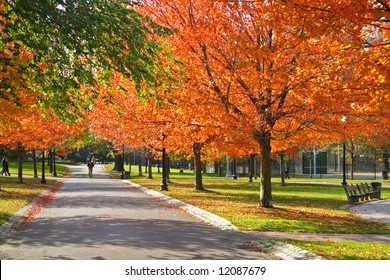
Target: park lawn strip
<point>297,207</point>
<point>345,250</point>
<point>15,196</point>
<point>28,168</point>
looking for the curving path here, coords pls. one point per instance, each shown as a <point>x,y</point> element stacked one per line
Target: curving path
<point>101,218</point>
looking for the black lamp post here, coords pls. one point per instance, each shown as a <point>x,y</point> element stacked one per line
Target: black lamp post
<point>344,183</point>
<point>43,180</point>
<point>54,163</point>
<point>164,185</point>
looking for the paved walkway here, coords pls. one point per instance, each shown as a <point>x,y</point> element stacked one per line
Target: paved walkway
<point>102,218</point>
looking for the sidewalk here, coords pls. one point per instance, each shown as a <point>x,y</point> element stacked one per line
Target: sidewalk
<point>76,223</point>
<point>101,218</point>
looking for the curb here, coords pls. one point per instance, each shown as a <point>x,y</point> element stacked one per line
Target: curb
<point>200,214</point>
<point>16,220</point>
<point>279,249</point>
<point>286,251</point>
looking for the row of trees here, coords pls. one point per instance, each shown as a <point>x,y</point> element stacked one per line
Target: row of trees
<point>204,78</point>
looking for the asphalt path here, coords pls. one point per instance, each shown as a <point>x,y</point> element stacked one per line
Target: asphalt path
<point>103,218</point>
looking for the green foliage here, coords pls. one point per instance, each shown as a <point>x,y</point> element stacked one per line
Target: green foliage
<point>78,42</point>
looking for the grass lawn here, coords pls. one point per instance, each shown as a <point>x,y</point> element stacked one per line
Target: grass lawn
<point>297,207</point>
<point>28,168</point>
<point>342,250</point>
<point>15,196</point>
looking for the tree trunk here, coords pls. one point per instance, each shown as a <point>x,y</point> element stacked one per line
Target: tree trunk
<point>168,169</point>
<point>54,163</point>
<point>353,165</point>
<point>216,167</point>
<point>118,163</point>
<point>310,166</point>
<point>43,179</point>
<point>129,168</point>
<point>150,161</point>
<point>251,172</point>
<point>282,169</point>
<point>386,163</point>
<point>34,157</point>
<point>265,166</point>
<point>234,169</point>
<point>197,147</point>
<point>20,151</point>
<point>50,163</point>
<point>139,165</point>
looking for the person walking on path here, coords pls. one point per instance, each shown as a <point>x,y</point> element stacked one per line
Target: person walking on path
<point>5,169</point>
<point>90,165</point>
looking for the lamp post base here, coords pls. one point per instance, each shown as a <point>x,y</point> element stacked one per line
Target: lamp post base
<point>163,187</point>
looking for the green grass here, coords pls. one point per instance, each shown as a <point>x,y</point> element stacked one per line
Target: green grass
<point>343,250</point>
<point>29,170</point>
<point>297,207</point>
<point>15,196</point>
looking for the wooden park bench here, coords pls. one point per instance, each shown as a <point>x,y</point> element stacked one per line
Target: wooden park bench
<point>353,194</point>
<point>361,192</point>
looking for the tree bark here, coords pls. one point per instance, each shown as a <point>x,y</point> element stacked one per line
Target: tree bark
<point>216,167</point>
<point>197,147</point>
<point>20,151</point>
<point>265,183</point>
<point>251,172</point>
<point>50,163</point>
<point>386,163</point>
<point>34,157</point>
<point>119,164</point>
<point>150,161</point>
<point>353,165</point>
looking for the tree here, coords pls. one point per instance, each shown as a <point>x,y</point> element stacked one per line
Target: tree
<point>32,131</point>
<point>55,47</point>
<point>294,63</point>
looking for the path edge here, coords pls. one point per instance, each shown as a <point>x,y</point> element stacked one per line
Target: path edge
<point>204,216</point>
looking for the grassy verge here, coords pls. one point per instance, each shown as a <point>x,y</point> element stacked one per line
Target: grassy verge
<point>342,250</point>
<point>29,170</point>
<point>15,196</point>
<point>297,207</point>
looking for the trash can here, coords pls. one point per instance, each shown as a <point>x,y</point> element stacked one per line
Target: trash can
<point>377,188</point>
<point>125,175</point>
<point>385,175</point>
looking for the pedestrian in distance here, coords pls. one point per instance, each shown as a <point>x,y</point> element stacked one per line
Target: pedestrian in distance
<point>90,165</point>
<point>287,173</point>
<point>5,169</point>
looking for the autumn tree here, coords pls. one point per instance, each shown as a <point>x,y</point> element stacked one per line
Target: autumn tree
<point>271,68</point>
<point>72,43</point>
